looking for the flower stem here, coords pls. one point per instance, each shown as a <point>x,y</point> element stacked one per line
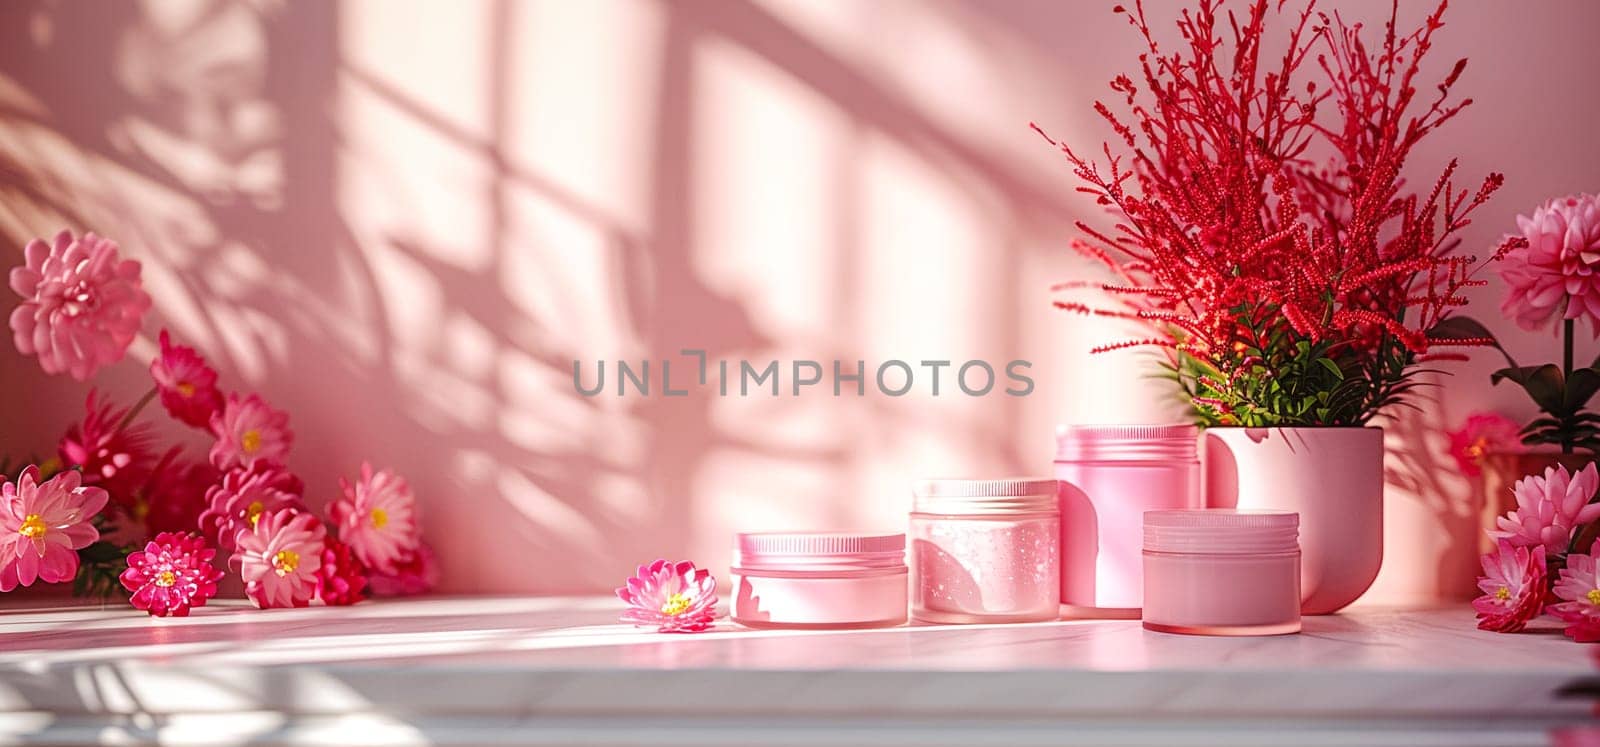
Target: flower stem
<point>1566,375</point>
<point>134,412</point>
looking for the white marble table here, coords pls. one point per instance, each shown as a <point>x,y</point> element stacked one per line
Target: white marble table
<point>558,671</point>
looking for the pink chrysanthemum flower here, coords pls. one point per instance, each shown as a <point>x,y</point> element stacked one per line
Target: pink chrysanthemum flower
<point>1549,508</point>
<point>171,574</point>
<point>1483,433</point>
<point>175,496</point>
<point>1579,589</point>
<point>111,456</point>
<point>81,304</point>
<point>246,494</point>
<point>416,574</point>
<point>670,597</point>
<point>1558,273</point>
<point>280,558</point>
<point>188,386</point>
<point>377,517</point>
<point>43,525</point>
<point>248,430</point>
<point>1513,587</point>
<point>342,578</point>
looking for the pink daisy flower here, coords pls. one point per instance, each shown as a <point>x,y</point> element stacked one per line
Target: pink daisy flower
<point>1558,273</point>
<point>1513,587</point>
<point>249,430</point>
<point>171,574</point>
<point>245,494</point>
<point>670,597</point>
<point>1579,589</point>
<point>188,386</point>
<point>1483,434</point>
<point>43,525</point>
<point>341,578</point>
<point>280,558</point>
<point>416,574</point>
<point>81,304</point>
<point>115,458</point>
<point>377,517</point>
<point>1550,507</point>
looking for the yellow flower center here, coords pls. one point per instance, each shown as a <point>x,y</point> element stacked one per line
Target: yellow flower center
<point>166,578</point>
<point>250,441</point>
<point>1502,594</point>
<point>33,527</point>
<point>252,513</point>
<point>676,604</point>
<point>185,388</point>
<point>380,518</point>
<point>1476,449</point>
<point>1593,596</point>
<point>285,562</point>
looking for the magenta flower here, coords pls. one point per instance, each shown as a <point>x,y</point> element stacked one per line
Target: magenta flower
<point>1550,507</point>
<point>1513,588</point>
<point>1579,589</point>
<point>248,430</point>
<point>341,578</point>
<point>81,304</point>
<point>1483,433</point>
<point>1558,273</point>
<point>246,493</point>
<point>110,456</point>
<point>670,597</point>
<point>416,574</point>
<point>188,386</point>
<point>175,496</point>
<point>280,558</point>
<point>43,525</point>
<point>377,517</point>
<point>171,574</point>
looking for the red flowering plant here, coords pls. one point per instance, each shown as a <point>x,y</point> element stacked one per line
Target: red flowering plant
<point>1273,250</point>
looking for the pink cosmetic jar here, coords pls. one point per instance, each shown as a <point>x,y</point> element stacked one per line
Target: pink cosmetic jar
<point>1222,572</point>
<point>819,580</point>
<point>1110,475</point>
<point>985,551</point>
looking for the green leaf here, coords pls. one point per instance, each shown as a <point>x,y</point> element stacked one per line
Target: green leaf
<point>1543,383</point>
<point>1332,367</point>
<point>1581,388</point>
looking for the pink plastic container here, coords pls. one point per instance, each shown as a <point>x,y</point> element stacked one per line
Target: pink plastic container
<point>1110,475</point>
<point>985,551</point>
<point>1222,572</point>
<point>819,580</point>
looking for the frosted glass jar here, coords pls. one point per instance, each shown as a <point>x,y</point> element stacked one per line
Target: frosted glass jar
<point>1222,572</point>
<point>1110,475</point>
<point>985,551</point>
<point>819,580</point>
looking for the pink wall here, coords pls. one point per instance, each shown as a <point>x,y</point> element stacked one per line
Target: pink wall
<point>403,221</point>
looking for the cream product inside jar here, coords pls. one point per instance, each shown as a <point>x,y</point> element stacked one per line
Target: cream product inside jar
<point>985,551</point>
<point>1222,572</point>
<point>819,580</point>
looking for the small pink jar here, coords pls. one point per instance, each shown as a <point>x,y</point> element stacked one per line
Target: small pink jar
<point>985,551</point>
<point>819,580</point>
<point>1110,475</point>
<point>1222,572</point>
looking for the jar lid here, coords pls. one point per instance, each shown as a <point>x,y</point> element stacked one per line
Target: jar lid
<point>1221,531</point>
<point>1118,443</point>
<point>811,551</point>
<point>1009,495</point>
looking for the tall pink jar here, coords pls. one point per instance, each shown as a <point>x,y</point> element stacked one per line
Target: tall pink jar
<point>1222,572</point>
<point>1110,476</point>
<point>819,580</point>
<point>985,551</point>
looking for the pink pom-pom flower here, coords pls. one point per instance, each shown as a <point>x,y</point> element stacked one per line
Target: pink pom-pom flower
<point>1550,507</point>
<point>1483,434</point>
<point>1513,587</point>
<point>280,558</point>
<point>1558,272</point>
<point>248,431</point>
<point>246,493</point>
<point>81,304</point>
<point>415,574</point>
<point>172,574</point>
<point>1578,587</point>
<point>43,525</point>
<point>342,578</point>
<point>670,597</point>
<point>187,385</point>
<point>377,517</point>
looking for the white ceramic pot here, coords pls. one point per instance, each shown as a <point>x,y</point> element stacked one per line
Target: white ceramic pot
<point>1333,477</point>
